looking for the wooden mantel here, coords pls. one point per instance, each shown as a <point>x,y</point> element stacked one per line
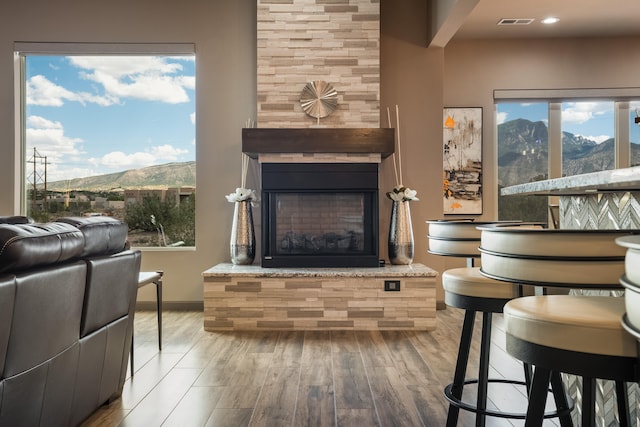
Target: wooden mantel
<point>318,140</point>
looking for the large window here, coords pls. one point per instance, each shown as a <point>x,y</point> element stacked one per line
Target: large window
<point>549,139</point>
<point>588,143</point>
<point>111,134</point>
<point>523,156</point>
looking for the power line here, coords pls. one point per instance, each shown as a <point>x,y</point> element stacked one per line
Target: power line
<point>39,176</point>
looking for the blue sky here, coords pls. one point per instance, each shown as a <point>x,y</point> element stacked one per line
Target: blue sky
<point>92,115</point>
<point>593,120</point>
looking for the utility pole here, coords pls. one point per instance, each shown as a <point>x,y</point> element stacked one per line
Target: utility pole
<point>39,177</point>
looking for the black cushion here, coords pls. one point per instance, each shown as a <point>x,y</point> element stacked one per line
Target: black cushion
<point>46,315</point>
<point>25,246</point>
<point>16,219</point>
<point>111,283</point>
<point>103,235</point>
<point>7,300</point>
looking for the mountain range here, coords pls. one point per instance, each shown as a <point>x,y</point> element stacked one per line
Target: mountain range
<point>523,153</point>
<point>153,177</point>
<point>522,157</point>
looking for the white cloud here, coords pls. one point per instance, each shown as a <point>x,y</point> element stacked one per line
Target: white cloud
<point>167,152</point>
<point>118,160</point>
<point>66,159</point>
<point>582,112</point>
<point>140,77</point>
<point>52,147</point>
<point>148,78</point>
<point>41,91</point>
<point>501,117</point>
<point>598,139</point>
<point>49,139</point>
<point>38,122</point>
<point>192,116</point>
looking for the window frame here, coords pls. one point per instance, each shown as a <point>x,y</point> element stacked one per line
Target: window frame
<point>24,49</point>
<point>621,98</point>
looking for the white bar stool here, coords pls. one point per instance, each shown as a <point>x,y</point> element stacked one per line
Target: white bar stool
<point>467,289</point>
<point>579,335</point>
<point>631,281</point>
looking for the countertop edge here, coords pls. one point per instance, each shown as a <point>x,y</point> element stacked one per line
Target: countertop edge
<point>404,271</point>
<point>625,179</point>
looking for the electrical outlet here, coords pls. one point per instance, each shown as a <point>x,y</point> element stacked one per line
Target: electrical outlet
<point>392,285</point>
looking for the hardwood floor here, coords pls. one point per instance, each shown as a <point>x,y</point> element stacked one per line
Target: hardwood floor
<point>312,378</point>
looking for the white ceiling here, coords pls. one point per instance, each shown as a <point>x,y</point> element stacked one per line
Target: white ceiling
<point>578,18</point>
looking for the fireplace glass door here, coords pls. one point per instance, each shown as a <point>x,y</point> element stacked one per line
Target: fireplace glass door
<point>319,215</point>
<point>319,223</point>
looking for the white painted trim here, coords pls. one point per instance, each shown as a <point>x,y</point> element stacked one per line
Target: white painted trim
<point>36,48</point>
<point>614,94</point>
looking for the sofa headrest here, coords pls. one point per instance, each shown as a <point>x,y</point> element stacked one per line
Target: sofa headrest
<point>31,245</point>
<point>15,219</point>
<point>103,235</point>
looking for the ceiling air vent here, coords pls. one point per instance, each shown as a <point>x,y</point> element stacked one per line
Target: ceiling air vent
<point>515,21</point>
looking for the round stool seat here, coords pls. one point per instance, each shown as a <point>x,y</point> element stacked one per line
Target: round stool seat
<point>579,335</point>
<point>585,324</point>
<point>571,258</point>
<point>455,229</point>
<point>632,257</point>
<point>469,282</point>
<point>631,281</point>
<point>459,237</point>
<point>450,247</point>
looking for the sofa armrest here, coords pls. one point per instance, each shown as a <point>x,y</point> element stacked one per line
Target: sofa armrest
<point>108,296</point>
<point>7,300</point>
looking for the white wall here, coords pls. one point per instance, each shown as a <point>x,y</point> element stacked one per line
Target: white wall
<point>224,35</point>
<point>411,78</point>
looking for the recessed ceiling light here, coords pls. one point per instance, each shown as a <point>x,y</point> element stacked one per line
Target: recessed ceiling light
<point>550,20</point>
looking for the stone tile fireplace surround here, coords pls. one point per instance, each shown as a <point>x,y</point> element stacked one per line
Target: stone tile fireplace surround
<point>337,41</point>
<point>238,297</point>
<point>371,298</point>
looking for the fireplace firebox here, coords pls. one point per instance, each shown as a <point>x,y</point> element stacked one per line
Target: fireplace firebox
<point>320,215</point>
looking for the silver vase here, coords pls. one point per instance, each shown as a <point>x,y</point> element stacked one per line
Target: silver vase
<point>243,239</point>
<point>400,234</point>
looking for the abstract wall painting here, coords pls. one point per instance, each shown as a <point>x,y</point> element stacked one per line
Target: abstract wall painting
<point>462,161</point>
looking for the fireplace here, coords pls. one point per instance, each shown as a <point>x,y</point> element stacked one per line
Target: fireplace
<point>319,202</point>
<point>320,215</point>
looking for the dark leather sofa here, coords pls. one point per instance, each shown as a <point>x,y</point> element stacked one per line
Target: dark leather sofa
<point>67,298</point>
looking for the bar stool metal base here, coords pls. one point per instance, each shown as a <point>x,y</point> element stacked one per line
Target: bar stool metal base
<point>459,403</point>
<point>549,361</point>
<point>453,391</point>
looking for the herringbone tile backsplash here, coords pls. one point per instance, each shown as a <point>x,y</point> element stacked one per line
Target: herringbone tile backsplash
<point>603,211</point>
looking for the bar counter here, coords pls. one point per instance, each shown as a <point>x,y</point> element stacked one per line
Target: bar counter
<point>606,200</point>
<point>618,180</point>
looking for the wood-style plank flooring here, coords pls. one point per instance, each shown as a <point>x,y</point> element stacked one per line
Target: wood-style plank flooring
<point>311,378</point>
